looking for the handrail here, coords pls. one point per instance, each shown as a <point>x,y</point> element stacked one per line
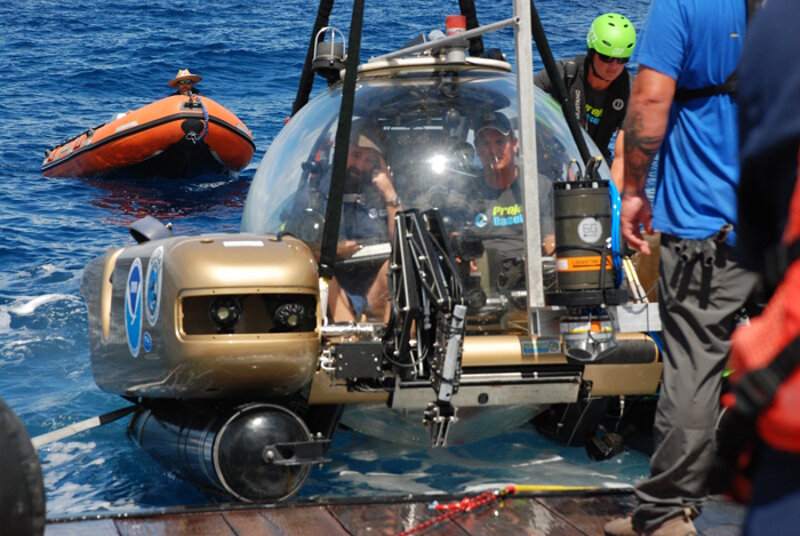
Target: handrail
<point>439,43</point>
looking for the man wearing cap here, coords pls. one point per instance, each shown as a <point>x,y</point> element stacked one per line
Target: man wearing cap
<point>185,82</point>
<point>369,206</point>
<point>494,214</point>
<point>500,218</point>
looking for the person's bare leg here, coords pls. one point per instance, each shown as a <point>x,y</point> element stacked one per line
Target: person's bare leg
<point>378,294</point>
<point>339,304</point>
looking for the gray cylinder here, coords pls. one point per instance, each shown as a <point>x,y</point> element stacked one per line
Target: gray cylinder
<point>228,451</point>
<point>582,213</point>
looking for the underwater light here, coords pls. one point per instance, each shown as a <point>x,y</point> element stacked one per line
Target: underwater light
<point>225,312</point>
<point>289,315</point>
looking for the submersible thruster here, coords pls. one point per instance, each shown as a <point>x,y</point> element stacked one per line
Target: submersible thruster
<point>254,452</point>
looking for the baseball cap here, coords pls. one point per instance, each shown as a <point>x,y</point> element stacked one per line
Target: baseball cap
<point>495,120</point>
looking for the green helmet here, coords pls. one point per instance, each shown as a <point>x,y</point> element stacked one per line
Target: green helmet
<point>612,35</point>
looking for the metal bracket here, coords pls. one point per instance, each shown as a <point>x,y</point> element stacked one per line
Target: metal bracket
<point>438,418</point>
<point>296,452</point>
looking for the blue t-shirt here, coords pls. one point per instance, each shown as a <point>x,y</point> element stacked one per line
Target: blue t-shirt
<point>698,43</point>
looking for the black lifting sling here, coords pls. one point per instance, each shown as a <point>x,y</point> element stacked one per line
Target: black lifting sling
<point>731,84</point>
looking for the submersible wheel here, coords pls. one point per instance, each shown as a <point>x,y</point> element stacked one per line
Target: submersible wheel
<point>245,453</point>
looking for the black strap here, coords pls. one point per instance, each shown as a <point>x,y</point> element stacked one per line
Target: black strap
<point>756,389</point>
<point>333,211</point>
<point>307,76</point>
<point>728,87</point>
<point>777,260</point>
<point>468,10</point>
<point>570,72</point>
<point>731,83</point>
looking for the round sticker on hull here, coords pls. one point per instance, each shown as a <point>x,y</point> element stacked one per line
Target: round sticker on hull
<point>133,307</point>
<point>590,230</point>
<point>153,295</point>
<point>147,342</point>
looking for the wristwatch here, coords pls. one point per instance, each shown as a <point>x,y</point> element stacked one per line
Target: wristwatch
<point>395,202</point>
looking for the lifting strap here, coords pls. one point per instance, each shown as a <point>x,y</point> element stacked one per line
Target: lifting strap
<point>731,84</point>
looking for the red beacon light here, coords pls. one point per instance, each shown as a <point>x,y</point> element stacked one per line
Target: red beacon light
<point>455,25</point>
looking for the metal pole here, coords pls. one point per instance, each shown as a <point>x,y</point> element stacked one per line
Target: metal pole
<point>528,168</point>
<point>439,43</point>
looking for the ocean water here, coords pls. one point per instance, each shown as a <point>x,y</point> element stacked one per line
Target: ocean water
<point>67,66</point>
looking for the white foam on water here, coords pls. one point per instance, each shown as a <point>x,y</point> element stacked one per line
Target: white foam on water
<point>553,459</point>
<point>28,307</point>
<point>386,482</point>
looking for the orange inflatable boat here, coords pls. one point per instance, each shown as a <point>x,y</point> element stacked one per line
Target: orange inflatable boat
<point>175,137</point>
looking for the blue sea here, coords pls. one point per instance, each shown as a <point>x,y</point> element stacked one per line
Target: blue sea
<point>68,66</point>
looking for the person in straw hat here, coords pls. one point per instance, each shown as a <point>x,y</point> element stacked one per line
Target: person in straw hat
<point>369,206</point>
<point>185,82</point>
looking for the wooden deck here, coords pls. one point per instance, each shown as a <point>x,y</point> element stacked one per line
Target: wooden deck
<point>539,514</point>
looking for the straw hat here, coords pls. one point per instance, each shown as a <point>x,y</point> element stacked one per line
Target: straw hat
<point>368,135</point>
<point>184,74</point>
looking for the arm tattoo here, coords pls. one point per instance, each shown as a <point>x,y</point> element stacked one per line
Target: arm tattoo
<point>640,148</point>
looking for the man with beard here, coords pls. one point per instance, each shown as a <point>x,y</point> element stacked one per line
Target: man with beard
<point>185,82</point>
<point>368,210</point>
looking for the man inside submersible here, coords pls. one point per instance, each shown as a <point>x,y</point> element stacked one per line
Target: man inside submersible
<point>494,217</point>
<point>369,206</point>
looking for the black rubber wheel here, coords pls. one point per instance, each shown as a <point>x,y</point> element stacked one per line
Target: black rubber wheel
<point>22,500</point>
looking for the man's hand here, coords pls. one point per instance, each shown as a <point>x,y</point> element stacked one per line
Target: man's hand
<point>346,249</point>
<point>383,182</point>
<point>635,210</point>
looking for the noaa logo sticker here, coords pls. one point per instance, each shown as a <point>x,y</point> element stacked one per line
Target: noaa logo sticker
<point>147,342</point>
<point>481,220</point>
<point>617,104</point>
<point>590,230</point>
<point>133,307</point>
<point>153,295</point>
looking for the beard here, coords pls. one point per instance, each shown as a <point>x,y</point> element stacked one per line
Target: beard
<point>354,177</point>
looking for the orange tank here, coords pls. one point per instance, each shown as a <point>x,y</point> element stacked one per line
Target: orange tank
<point>175,137</point>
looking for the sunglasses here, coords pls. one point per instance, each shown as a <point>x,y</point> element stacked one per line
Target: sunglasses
<point>185,82</point>
<point>609,59</point>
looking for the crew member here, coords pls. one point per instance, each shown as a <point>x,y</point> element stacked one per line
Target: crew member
<point>368,210</point>
<point>769,219</point>
<point>185,82</point>
<point>685,46</point>
<point>598,83</point>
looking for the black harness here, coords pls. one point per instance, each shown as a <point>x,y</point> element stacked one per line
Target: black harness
<point>731,84</point>
<point>573,73</point>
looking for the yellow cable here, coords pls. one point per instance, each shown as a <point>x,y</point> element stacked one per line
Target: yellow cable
<point>546,487</point>
<point>636,277</point>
